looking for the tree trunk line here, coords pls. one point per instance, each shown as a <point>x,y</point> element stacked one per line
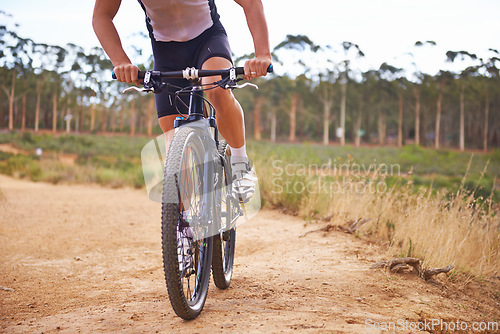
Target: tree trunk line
<point>461,144</point>
<point>400,119</point>
<point>257,132</point>
<point>416,92</point>
<point>343,101</point>
<point>293,117</point>
<point>357,140</point>
<point>437,131</point>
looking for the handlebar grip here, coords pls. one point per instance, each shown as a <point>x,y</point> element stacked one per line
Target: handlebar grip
<point>241,70</point>
<point>140,75</point>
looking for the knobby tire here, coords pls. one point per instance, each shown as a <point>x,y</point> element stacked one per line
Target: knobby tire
<point>224,242</point>
<point>187,301</point>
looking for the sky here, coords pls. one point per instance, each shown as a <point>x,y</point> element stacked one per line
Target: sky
<point>385,30</point>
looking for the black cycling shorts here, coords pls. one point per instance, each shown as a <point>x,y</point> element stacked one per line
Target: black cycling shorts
<point>175,56</point>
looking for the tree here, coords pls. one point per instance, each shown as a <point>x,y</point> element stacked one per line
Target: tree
<point>325,92</point>
<point>464,76</point>
<point>396,83</point>
<point>40,85</point>
<point>260,98</point>
<point>493,71</point>
<point>278,93</point>
<point>16,55</point>
<point>299,86</point>
<point>255,101</point>
<point>54,109</point>
<point>347,46</point>
<point>417,78</point>
<point>150,112</point>
<point>443,77</point>
<point>361,97</point>
<point>297,43</point>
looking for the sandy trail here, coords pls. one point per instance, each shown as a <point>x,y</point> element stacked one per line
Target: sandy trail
<point>87,259</point>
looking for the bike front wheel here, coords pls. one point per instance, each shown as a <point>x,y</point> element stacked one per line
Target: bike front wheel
<point>186,239</point>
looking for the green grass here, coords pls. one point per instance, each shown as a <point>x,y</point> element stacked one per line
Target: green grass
<point>84,145</point>
<point>423,167</point>
<point>109,159</point>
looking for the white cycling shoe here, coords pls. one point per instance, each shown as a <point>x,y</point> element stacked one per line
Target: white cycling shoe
<point>244,179</point>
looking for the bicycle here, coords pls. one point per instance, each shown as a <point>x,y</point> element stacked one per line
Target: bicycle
<point>199,212</point>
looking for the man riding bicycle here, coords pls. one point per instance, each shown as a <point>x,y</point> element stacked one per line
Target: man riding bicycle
<point>188,33</point>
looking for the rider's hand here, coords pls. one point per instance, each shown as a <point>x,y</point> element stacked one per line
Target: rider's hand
<point>126,73</point>
<point>257,67</point>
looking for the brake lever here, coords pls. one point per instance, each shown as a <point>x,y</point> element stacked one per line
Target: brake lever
<point>234,85</point>
<point>150,84</point>
<point>140,90</point>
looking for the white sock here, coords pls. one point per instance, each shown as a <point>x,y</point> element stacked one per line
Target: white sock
<point>239,153</point>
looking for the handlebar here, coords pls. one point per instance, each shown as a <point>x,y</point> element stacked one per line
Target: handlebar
<point>193,74</point>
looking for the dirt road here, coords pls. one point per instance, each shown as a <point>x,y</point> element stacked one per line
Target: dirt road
<point>88,259</point>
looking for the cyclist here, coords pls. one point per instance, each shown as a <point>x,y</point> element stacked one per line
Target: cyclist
<point>189,34</point>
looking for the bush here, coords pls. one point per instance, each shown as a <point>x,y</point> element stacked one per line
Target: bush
<point>20,166</point>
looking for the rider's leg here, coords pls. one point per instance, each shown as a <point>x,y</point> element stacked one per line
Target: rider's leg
<point>230,121</point>
<point>167,123</point>
<point>231,125</point>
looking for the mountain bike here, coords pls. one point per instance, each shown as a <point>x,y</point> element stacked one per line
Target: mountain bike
<point>199,212</point>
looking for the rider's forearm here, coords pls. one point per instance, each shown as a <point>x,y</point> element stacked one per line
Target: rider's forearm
<point>256,20</point>
<point>105,30</point>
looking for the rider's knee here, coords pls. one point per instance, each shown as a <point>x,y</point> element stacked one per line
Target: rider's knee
<point>220,96</point>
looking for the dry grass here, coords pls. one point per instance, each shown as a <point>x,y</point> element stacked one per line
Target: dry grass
<point>427,226</point>
<point>437,227</point>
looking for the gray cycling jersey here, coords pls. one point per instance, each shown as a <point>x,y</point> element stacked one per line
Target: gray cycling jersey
<point>178,20</point>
